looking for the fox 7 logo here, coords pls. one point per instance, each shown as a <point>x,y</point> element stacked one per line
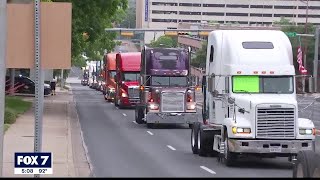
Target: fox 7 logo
<point>32,160</point>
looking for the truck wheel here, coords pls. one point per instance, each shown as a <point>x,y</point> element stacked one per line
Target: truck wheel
<point>206,143</point>
<point>194,138</point>
<point>306,165</point>
<point>229,157</point>
<point>139,115</point>
<point>119,104</point>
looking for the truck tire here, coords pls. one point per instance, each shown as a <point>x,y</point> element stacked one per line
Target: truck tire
<point>307,165</point>
<point>139,115</point>
<point>207,140</point>
<point>229,158</point>
<point>194,138</point>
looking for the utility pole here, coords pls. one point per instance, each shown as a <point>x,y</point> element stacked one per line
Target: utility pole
<point>3,49</point>
<point>316,59</point>
<point>305,45</point>
<point>39,82</point>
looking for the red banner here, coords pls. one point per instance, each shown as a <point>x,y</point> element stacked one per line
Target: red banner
<point>299,60</point>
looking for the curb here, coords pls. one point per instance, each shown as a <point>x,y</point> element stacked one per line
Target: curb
<point>83,143</point>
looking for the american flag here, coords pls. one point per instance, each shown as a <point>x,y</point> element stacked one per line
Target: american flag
<point>299,60</point>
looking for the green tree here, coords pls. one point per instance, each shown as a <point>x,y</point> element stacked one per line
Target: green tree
<point>200,57</point>
<point>288,26</point>
<point>129,19</point>
<point>92,17</point>
<point>164,41</point>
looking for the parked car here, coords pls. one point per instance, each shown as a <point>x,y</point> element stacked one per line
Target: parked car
<point>24,85</point>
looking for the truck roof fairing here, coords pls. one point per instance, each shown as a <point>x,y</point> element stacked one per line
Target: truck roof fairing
<point>110,60</point>
<point>167,61</point>
<point>129,61</point>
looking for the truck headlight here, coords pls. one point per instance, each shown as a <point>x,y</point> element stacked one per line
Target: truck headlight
<point>124,95</point>
<point>239,130</point>
<point>307,131</point>
<point>191,106</point>
<point>154,106</point>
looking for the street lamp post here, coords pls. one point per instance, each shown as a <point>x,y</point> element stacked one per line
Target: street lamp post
<point>305,43</point>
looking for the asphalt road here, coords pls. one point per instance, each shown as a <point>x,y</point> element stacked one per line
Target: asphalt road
<point>117,147</point>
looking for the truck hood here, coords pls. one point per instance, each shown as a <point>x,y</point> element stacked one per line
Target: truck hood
<point>131,83</point>
<point>256,99</point>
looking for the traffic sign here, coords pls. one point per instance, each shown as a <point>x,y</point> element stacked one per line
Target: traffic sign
<point>291,34</point>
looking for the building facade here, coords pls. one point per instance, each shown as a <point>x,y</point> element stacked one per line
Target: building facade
<point>169,13</point>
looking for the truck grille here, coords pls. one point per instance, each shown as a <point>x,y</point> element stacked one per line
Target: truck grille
<point>133,92</point>
<point>172,102</point>
<point>275,123</point>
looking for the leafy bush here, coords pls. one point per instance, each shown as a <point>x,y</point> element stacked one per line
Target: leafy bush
<point>9,116</point>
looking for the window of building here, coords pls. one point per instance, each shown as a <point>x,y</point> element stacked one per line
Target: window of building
<point>190,4</point>
<point>213,5</point>
<point>236,14</point>
<point>284,7</point>
<point>314,7</point>
<point>164,4</point>
<point>164,12</point>
<point>237,6</point>
<point>164,20</point>
<point>260,15</point>
<point>309,16</point>
<point>284,15</point>
<point>261,6</point>
<point>189,13</point>
<point>213,14</point>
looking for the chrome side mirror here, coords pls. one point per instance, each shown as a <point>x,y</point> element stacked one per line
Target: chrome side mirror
<point>231,100</point>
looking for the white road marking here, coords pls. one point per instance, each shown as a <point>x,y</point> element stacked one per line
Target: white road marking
<point>124,114</point>
<point>117,108</point>
<point>135,122</point>
<point>150,133</point>
<point>170,147</point>
<point>207,169</point>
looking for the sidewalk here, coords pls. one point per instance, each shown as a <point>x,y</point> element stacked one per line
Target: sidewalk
<point>61,135</point>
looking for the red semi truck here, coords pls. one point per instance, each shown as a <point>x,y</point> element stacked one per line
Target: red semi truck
<point>127,79</point>
<point>109,75</point>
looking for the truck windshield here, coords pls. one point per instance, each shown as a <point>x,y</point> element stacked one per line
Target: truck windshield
<point>112,74</point>
<point>263,84</point>
<point>168,81</point>
<point>132,76</point>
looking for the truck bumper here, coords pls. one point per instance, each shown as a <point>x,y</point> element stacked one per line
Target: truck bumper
<point>270,146</point>
<point>170,118</point>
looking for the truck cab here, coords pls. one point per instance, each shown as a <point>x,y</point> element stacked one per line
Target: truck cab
<point>167,94</point>
<point>250,105</point>
<point>127,79</point>
<point>109,74</point>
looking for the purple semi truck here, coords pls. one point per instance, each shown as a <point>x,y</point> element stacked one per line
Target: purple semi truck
<point>167,89</point>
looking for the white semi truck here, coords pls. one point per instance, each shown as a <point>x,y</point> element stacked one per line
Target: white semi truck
<point>250,105</point>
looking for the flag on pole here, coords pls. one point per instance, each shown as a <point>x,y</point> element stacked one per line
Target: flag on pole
<point>299,60</point>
